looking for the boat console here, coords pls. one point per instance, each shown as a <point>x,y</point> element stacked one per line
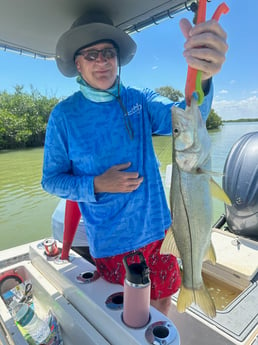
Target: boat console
<point>88,309</point>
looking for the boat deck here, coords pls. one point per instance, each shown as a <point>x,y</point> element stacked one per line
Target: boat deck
<point>97,305</point>
<point>89,311</point>
<point>237,323</point>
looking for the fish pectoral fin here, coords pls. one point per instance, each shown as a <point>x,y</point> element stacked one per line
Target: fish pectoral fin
<point>201,297</point>
<point>169,244</point>
<point>210,255</point>
<point>211,173</point>
<point>218,192</point>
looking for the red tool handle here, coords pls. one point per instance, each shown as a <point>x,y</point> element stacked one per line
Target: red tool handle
<point>221,9</point>
<point>190,85</point>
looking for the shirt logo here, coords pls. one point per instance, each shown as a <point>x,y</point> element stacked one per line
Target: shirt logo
<point>135,109</point>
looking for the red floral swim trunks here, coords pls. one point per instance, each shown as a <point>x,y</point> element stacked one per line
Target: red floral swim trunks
<point>164,270</point>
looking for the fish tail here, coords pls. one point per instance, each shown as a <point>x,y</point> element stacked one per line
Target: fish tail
<point>169,244</point>
<point>201,297</point>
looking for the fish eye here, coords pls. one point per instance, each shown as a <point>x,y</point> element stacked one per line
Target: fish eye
<point>176,131</point>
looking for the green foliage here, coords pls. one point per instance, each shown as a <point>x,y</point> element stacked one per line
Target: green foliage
<point>243,120</point>
<point>213,121</point>
<point>23,118</point>
<point>170,92</point>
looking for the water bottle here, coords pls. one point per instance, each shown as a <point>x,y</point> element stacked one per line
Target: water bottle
<point>136,312</point>
<point>25,316</point>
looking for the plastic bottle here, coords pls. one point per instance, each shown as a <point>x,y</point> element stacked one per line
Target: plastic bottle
<point>137,285</point>
<point>25,316</point>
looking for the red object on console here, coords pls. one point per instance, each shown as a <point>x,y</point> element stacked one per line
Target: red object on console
<point>71,221</point>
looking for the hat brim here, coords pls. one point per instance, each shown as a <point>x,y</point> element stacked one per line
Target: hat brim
<point>84,35</point>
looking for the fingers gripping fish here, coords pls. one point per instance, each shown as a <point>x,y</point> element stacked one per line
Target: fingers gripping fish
<point>191,206</point>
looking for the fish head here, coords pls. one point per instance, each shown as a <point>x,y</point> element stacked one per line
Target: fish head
<point>191,142</point>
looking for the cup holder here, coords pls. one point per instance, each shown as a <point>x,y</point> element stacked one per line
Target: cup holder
<point>161,332</point>
<point>115,301</point>
<point>56,257</point>
<point>87,277</point>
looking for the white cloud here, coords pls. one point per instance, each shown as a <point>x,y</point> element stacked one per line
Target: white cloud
<point>223,92</point>
<point>236,109</point>
<point>154,67</point>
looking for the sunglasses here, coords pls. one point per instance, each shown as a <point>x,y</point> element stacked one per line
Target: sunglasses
<point>92,55</point>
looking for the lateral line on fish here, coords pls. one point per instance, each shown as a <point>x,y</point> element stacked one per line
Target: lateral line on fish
<point>189,226</point>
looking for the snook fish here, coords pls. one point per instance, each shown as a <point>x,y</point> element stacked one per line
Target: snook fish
<point>191,206</point>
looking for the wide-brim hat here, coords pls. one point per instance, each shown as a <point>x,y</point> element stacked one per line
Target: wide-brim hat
<point>90,28</point>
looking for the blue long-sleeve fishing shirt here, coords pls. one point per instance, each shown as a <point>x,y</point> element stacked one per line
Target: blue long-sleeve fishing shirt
<point>84,139</point>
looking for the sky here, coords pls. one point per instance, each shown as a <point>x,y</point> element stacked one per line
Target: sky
<point>159,62</point>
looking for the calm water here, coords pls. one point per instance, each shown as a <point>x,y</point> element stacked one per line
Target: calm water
<point>25,209</point>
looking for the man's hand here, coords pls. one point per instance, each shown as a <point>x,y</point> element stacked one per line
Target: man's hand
<point>205,46</point>
<point>115,180</point>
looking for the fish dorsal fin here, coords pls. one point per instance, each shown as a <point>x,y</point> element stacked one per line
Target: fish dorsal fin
<point>169,244</point>
<point>210,255</point>
<point>218,192</point>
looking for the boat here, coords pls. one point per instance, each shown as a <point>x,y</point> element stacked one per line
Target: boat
<point>88,309</point>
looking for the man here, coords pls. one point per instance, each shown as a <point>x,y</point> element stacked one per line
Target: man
<point>99,152</point>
